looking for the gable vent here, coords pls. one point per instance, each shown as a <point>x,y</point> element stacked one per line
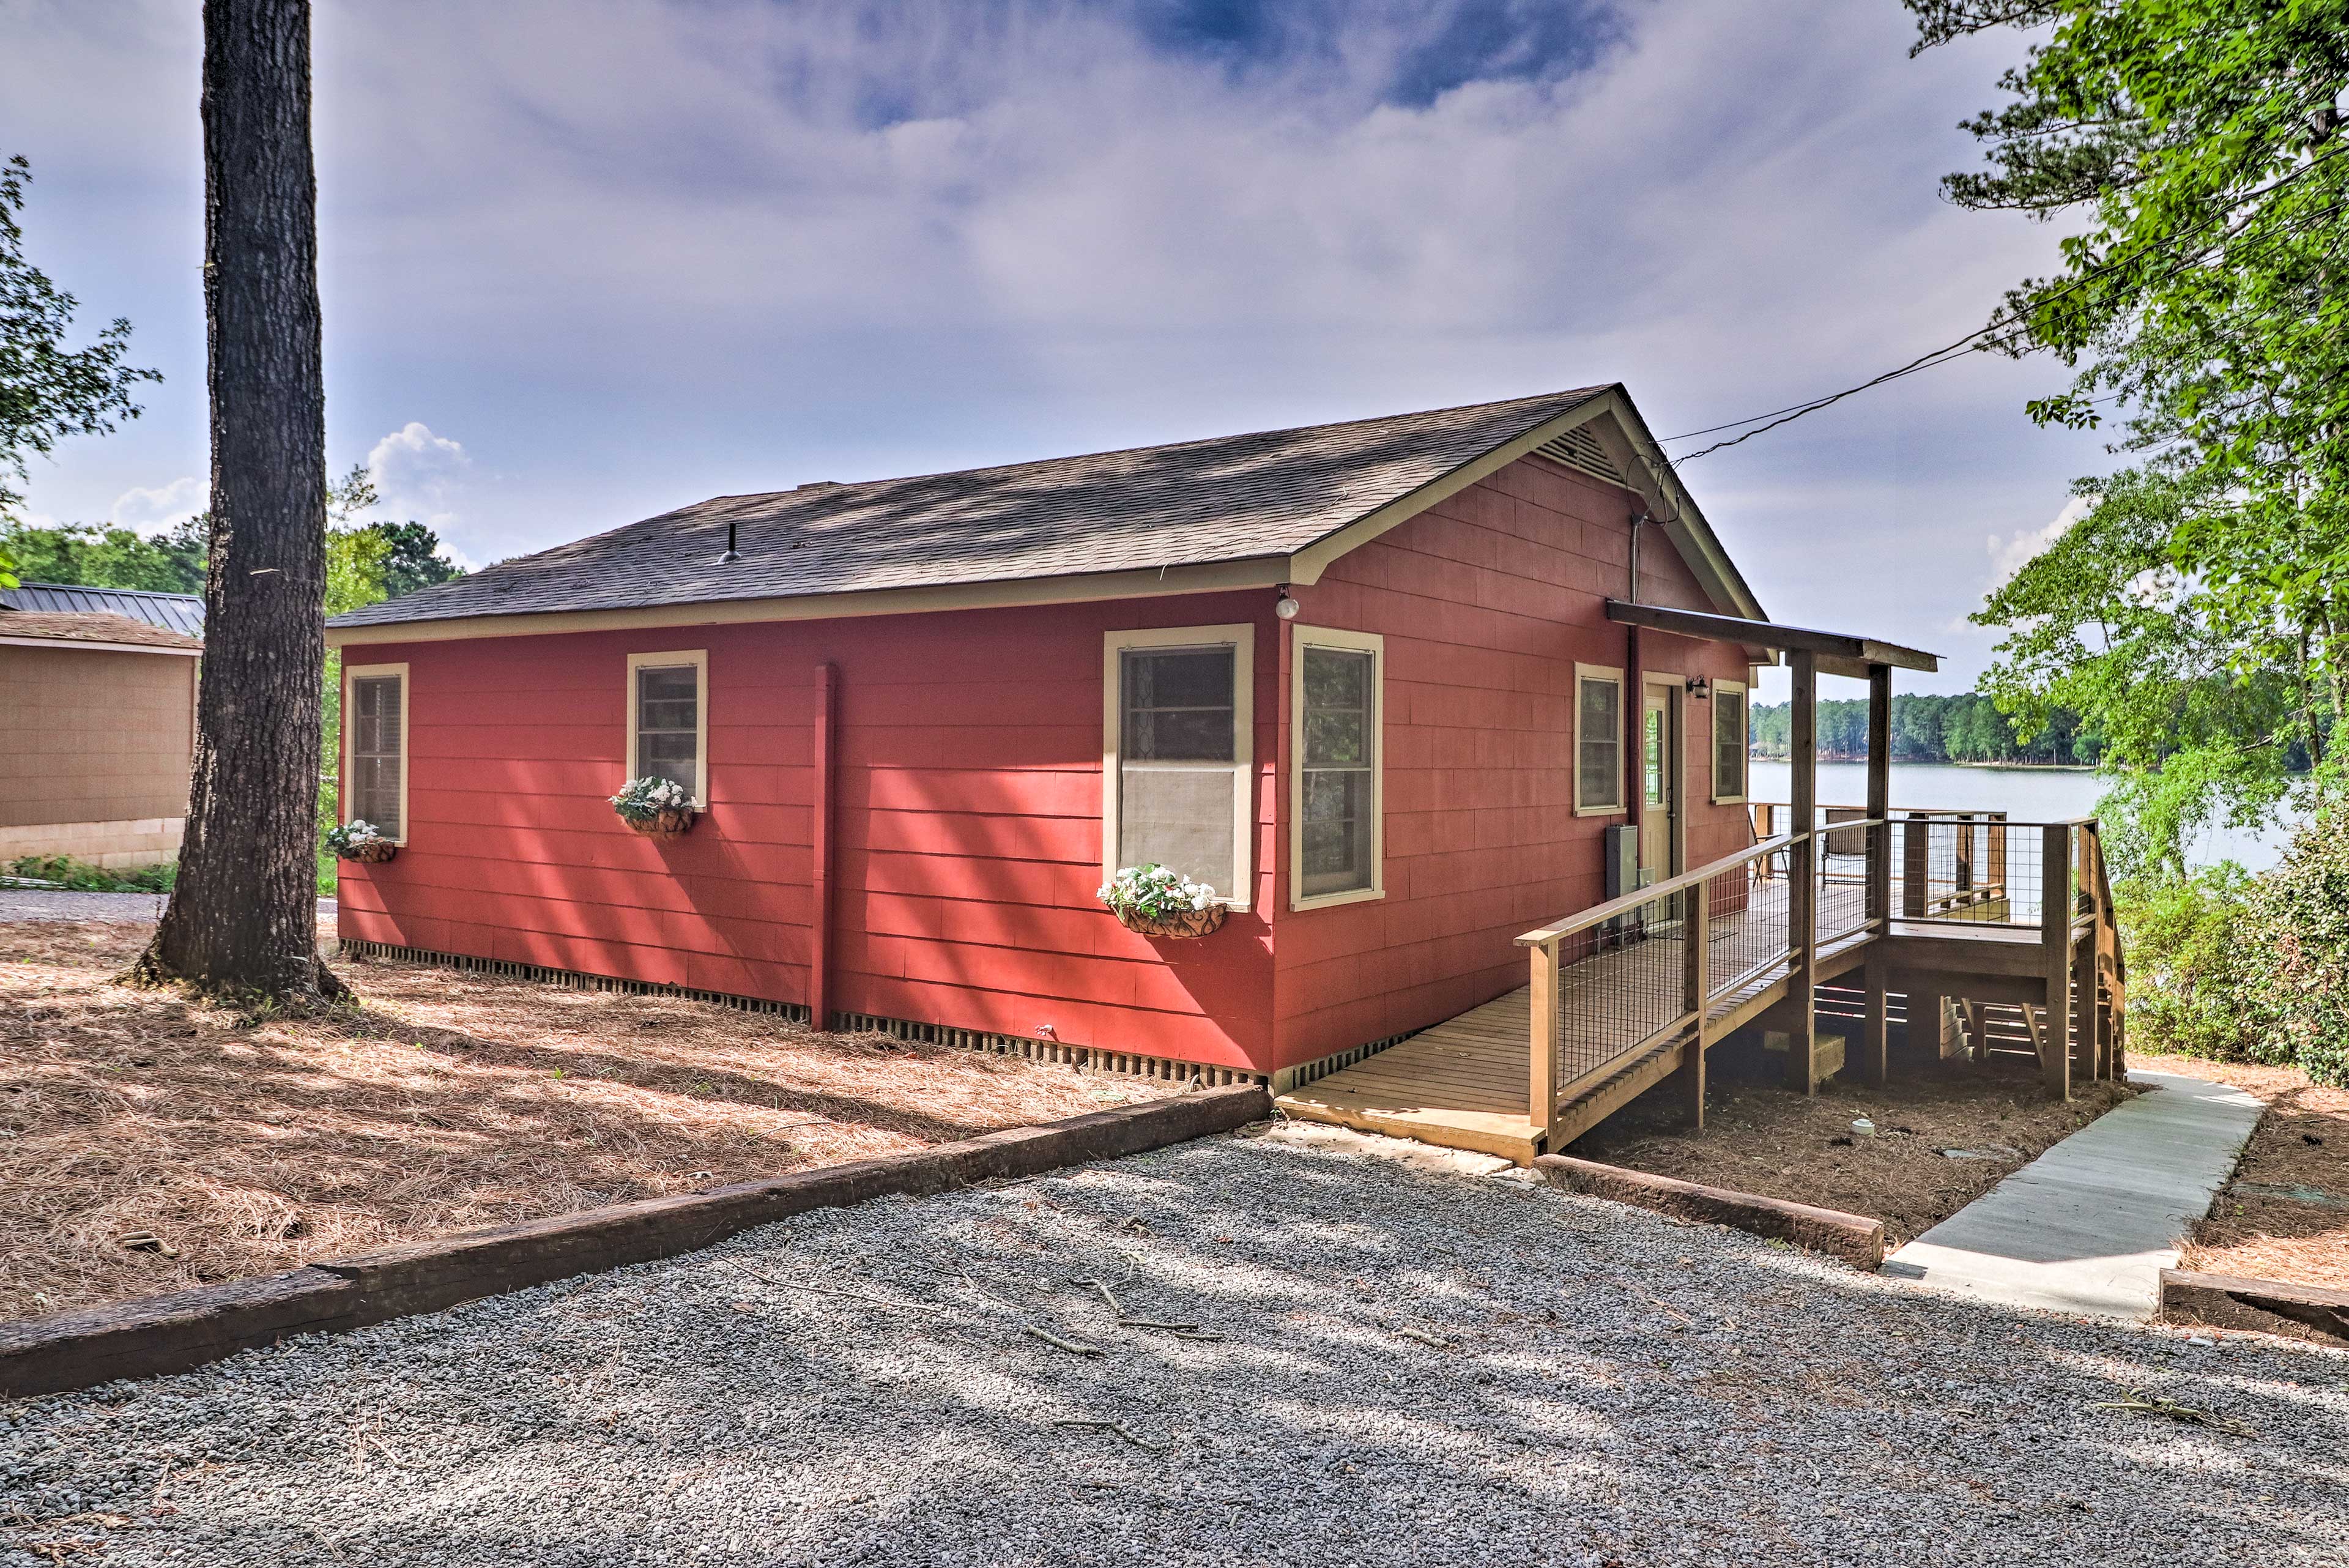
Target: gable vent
<point>1578,448</point>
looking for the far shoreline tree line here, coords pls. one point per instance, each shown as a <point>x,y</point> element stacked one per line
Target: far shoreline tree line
<point>1966,728</point>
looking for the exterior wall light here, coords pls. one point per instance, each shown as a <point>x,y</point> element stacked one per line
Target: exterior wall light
<point>1699,687</point>
<point>1283,606</point>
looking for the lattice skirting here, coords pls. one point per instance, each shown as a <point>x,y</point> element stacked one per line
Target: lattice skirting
<point>1289,1078</point>
<point>1123,1063</point>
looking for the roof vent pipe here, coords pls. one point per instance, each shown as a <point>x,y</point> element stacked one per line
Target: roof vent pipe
<point>732,553</point>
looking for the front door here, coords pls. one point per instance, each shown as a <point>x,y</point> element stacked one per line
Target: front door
<point>1660,774</point>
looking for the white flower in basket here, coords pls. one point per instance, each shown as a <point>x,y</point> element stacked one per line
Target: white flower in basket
<point>1161,902</point>
<point>654,806</point>
<point>359,839</point>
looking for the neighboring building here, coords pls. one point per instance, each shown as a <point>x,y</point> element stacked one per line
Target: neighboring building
<point>925,719</point>
<point>99,727</point>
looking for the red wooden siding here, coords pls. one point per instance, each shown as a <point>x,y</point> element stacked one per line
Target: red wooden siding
<point>967,817</point>
<point>1486,603</point>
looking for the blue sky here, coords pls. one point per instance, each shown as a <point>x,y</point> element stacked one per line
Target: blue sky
<point>585,261</point>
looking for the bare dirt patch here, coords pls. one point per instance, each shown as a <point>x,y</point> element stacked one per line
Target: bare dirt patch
<point>148,1143</point>
<point>1765,1140</point>
<point>2285,1215</point>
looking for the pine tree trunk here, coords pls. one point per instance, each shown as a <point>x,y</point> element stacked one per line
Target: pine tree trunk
<point>242,917</point>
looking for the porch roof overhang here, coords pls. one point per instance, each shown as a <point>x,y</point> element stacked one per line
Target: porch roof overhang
<point>1833,653</point>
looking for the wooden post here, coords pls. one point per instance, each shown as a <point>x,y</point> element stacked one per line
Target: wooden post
<point>1802,870</point>
<point>1875,1064</point>
<point>1916,865</point>
<point>2055,950</point>
<point>820,892</point>
<point>1696,924</point>
<point>1542,1043</point>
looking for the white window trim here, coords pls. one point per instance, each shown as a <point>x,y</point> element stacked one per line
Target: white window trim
<point>352,675</point>
<point>1622,807</point>
<point>1745,741</point>
<point>1242,638</point>
<point>1372,643</point>
<point>699,658</point>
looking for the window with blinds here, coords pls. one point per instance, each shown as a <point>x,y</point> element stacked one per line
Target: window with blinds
<point>1335,805</point>
<point>1598,739</point>
<point>1176,755</point>
<point>1176,762</point>
<point>376,791</point>
<point>667,722</point>
<point>1729,741</point>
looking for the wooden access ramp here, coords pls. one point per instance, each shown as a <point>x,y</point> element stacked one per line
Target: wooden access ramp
<point>1625,1000</point>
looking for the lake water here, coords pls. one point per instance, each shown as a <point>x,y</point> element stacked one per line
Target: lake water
<point>2026,795</point>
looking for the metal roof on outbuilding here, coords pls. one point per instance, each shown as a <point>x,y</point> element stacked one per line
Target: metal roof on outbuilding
<point>183,613</point>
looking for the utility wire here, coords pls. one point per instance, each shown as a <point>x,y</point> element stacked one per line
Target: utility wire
<point>1983,339</point>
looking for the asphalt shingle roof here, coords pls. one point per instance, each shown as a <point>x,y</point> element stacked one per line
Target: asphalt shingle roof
<point>173,612</point>
<point>1231,498</point>
<point>92,625</point>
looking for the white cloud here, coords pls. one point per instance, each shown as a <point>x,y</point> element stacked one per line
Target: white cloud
<point>416,475</point>
<point>2011,552</point>
<point>152,511</point>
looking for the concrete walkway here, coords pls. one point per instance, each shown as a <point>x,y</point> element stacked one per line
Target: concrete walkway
<point>64,904</point>
<point>2088,1227</point>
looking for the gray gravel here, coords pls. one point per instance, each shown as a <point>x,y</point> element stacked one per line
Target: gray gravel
<point>1604,1387</point>
<point>46,904</point>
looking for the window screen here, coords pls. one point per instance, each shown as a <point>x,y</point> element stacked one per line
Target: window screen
<point>1176,773</point>
<point>1728,744</point>
<point>377,745</point>
<point>1338,742</point>
<point>1598,781</point>
<point>668,729</point>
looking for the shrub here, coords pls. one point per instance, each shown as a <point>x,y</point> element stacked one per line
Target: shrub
<point>2297,931</point>
<point>2190,981</point>
<point>83,878</point>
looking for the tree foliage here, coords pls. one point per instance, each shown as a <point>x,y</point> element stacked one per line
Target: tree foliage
<point>47,391</point>
<point>1966,728</point>
<point>2199,617</point>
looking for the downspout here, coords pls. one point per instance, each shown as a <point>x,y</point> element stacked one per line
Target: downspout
<point>824,762</point>
<point>1635,698</point>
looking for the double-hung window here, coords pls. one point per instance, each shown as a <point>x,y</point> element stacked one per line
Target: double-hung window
<point>374,747</point>
<point>1729,741</point>
<point>1178,750</point>
<point>1336,833</point>
<point>669,720</point>
<point>1598,739</point>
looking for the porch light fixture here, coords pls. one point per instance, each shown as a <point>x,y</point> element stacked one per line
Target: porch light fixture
<point>1699,687</point>
<point>1283,606</point>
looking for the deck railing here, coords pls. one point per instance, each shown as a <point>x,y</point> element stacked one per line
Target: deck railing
<point>1626,976</point>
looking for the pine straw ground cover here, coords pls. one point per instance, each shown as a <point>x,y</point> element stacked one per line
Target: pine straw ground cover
<point>1762,1139</point>
<point>448,1101</point>
<point>2285,1215</point>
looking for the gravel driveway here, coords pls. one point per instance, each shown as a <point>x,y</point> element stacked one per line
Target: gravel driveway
<point>1412,1367</point>
<point>63,904</point>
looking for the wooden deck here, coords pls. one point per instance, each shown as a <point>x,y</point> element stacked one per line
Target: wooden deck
<point>1467,1083</point>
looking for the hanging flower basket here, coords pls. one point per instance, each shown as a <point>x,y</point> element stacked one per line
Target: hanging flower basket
<point>656,808</point>
<point>1158,902</point>
<point>1189,923</point>
<point>360,841</point>
<point>671,823</point>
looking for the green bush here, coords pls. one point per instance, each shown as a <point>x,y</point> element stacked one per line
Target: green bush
<point>2188,977</point>
<point>84,877</point>
<point>2247,969</point>
<point>2297,931</point>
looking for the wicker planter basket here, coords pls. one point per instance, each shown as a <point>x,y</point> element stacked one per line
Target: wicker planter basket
<point>371,854</point>
<point>672,824</point>
<point>1189,923</point>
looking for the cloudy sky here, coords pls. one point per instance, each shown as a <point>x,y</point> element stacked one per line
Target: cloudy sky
<point>586,260</point>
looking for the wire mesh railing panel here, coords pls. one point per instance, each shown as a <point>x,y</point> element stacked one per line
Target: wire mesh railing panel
<point>1621,984</point>
<point>1750,922</point>
<point>1966,870</point>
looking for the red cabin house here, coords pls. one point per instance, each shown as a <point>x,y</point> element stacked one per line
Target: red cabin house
<point>1361,679</point>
